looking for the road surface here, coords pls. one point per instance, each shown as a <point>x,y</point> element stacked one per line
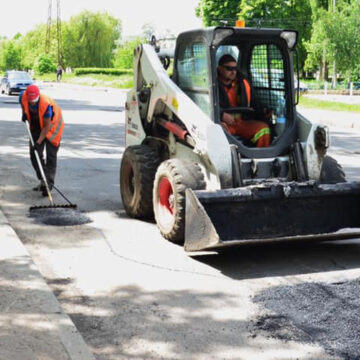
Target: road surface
<point>133,295</point>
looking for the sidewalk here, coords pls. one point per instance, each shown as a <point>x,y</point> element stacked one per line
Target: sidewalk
<point>340,119</point>
<point>32,323</point>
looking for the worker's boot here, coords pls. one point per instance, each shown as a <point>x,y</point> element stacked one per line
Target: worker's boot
<point>39,187</point>
<point>44,191</point>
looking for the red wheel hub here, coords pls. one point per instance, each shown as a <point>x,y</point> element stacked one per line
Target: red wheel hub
<point>166,194</point>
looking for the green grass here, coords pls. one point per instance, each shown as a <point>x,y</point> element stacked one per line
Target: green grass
<point>124,81</point>
<point>327,105</point>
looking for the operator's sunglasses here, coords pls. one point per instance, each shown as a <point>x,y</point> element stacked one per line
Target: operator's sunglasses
<point>230,68</point>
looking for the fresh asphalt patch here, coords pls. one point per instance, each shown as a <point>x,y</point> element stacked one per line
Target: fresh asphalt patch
<point>325,314</point>
<point>59,216</point>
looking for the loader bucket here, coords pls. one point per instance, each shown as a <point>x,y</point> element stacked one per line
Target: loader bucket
<point>270,213</point>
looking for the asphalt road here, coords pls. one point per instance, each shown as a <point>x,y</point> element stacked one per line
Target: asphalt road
<point>131,294</point>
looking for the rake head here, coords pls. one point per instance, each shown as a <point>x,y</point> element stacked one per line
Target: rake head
<point>40,207</point>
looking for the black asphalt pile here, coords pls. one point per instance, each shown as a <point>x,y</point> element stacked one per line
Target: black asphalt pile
<point>326,314</point>
<point>59,216</point>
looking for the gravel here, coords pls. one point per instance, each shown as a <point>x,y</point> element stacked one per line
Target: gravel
<point>326,314</point>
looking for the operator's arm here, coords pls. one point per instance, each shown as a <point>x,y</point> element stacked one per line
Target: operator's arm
<point>47,125</point>
<point>227,118</point>
<point>224,103</point>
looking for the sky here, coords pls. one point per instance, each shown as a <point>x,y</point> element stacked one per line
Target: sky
<point>23,15</point>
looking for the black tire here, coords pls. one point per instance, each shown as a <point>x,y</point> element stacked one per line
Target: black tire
<point>8,91</point>
<point>137,173</point>
<point>331,172</point>
<point>172,178</point>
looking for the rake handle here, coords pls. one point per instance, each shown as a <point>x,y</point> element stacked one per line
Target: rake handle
<point>39,164</point>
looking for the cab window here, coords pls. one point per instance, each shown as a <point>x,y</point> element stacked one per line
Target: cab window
<point>193,74</point>
<point>268,78</point>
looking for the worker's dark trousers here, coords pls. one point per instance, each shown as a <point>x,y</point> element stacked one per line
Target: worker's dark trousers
<point>51,160</point>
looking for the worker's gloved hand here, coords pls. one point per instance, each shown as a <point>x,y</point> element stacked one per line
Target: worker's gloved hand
<point>23,117</point>
<point>37,147</point>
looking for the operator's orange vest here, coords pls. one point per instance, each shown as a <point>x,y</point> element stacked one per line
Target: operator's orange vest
<point>57,122</point>
<point>234,96</point>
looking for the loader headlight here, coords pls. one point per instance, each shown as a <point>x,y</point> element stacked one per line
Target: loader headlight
<point>290,36</point>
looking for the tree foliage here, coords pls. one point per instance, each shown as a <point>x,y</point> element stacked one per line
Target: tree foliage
<point>124,55</point>
<point>213,12</point>
<point>33,45</point>
<point>326,33</point>
<point>10,58</point>
<point>90,39</point>
<point>44,65</point>
<point>291,14</point>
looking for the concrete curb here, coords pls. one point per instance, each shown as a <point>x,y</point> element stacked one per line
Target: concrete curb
<point>29,311</point>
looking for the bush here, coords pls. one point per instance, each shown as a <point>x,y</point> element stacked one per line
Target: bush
<point>103,71</point>
<point>44,65</point>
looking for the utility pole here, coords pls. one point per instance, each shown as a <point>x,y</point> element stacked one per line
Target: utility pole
<point>58,30</point>
<point>59,36</point>
<point>48,29</point>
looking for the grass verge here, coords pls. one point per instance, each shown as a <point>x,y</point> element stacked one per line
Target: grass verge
<point>124,81</point>
<point>327,105</point>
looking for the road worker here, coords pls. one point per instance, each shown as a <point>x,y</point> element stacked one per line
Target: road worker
<point>235,91</point>
<point>46,127</point>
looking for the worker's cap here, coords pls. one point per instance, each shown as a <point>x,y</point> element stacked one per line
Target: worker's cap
<point>32,93</point>
<point>226,59</point>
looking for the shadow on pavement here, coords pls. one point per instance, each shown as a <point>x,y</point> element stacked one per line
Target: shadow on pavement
<point>284,259</point>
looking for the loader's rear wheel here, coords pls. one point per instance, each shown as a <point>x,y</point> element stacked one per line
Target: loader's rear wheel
<point>172,178</point>
<point>331,172</point>
<point>137,173</point>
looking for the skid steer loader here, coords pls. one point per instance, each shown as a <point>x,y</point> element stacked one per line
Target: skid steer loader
<point>208,189</point>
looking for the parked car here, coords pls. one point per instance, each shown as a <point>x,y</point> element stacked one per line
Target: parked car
<point>303,88</point>
<point>15,81</point>
<point>356,86</point>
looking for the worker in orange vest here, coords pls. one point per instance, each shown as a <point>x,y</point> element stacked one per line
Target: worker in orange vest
<point>235,91</point>
<point>46,126</point>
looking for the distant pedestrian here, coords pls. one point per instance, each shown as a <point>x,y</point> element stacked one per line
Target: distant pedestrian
<point>46,126</point>
<point>59,73</point>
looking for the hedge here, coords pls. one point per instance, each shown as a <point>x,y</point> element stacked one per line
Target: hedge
<point>104,71</point>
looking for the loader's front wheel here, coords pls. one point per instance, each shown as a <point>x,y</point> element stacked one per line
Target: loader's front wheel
<point>172,178</point>
<point>331,172</point>
<point>137,173</point>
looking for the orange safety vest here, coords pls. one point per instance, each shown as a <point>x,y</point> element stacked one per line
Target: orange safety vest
<point>57,122</point>
<point>247,91</point>
<point>233,95</point>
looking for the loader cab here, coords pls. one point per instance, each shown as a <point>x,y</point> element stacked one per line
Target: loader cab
<point>264,58</point>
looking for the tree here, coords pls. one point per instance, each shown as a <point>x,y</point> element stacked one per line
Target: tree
<point>343,38</point>
<point>291,14</point>
<point>33,45</point>
<point>11,57</point>
<point>125,53</point>
<point>213,12</point>
<point>90,39</point>
<point>335,37</point>
<point>44,65</point>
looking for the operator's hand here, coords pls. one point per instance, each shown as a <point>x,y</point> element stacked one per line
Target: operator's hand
<point>23,117</point>
<point>228,119</point>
